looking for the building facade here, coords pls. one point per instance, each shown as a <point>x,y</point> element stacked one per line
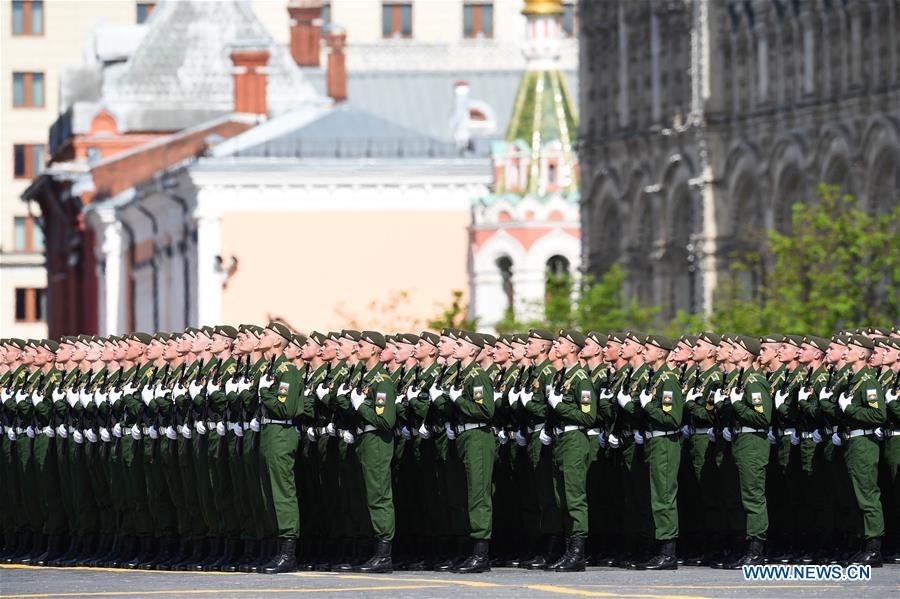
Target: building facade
<point>702,123</point>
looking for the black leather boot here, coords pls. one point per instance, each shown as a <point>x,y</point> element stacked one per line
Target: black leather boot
<point>753,557</point>
<point>38,546</point>
<point>574,559</point>
<point>285,560</point>
<point>145,552</point>
<point>553,551</point>
<point>870,555</point>
<point>54,550</point>
<point>104,547</point>
<point>349,559</point>
<point>228,561</point>
<point>251,548</point>
<point>664,560</point>
<point>90,551</point>
<point>268,548</point>
<point>479,561</point>
<point>197,555</point>
<point>380,562</point>
<point>216,551</point>
<point>68,559</point>
<point>122,546</point>
<point>181,551</point>
<point>457,553</point>
<point>166,547</point>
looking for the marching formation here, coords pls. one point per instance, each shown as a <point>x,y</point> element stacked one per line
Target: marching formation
<point>256,449</point>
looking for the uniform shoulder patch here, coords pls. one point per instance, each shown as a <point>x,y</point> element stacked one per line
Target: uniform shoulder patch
<point>282,368</point>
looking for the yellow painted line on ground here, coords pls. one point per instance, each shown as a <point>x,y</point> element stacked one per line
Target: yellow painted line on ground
<point>749,585</point>
<point>179,592</point>
<point>550,588</point>
<point>465,583</point>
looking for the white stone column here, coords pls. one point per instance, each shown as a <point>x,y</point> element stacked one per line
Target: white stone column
<point>623,67</point>
<point>656,98</point>
<point>489,299</point>
<point>209,244</point>
<point>528,289</point>
<point>112,279</point>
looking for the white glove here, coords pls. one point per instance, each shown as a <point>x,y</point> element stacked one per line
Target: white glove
<point>348,437</point>
<point>795,438</point>
<point>804,393</point>
<point>58,394</point>
<point>6,394</point>
<point>212,387</point>
<point>136,432</point>
<point>62,431</point>
<point>21,396</point>
<point>404,432</point>
<point>266,381</point>
<point>889,395</point>
<point>780,396</point>
<point>601,440</point>
<point>100,397</point>
<point>117,430</point>
<point>726,434</point>
<point>178,391</point>
<point>879,433</point>
<point>844,401</point>
<point>693,394</point>
<point>36,397</point>
<point>638,438</point>
<point>400,398</point>
<point>424,432</point>
<point>311,434</point>
<point>646,397</point>
<point>200,427</point>
<point>554,398</point>
<point>154,434</point>
<point>605,393</point>
<point>11,433</point>
<point>194,389</point>
<point>451,434</point>
<point>29,432</point>
<point>244,385</point>
<point>220,429</point>
<point>825,393</point>
<point>104,434</point>
<point>238,430</point>
<point>455,393</point>
<point>525,397</point>
<point>513,396</point>
<point>231,386</point>
<point>685,431</point>
<point>836,439</point>
<point>159,391</point>
<point>71,397</point>
<point>718,396</point>
<point>711,434</point>
<point>329,428</point>
<point>170,433</point>
<point>85,398</point>
<point>114,396</point>
<point>613,441</point>
<point>435,392</point>
<point>545,438</point>
<point>91,435</point>
<point>357,398</point>
<point>146,395</point>
<point>623,398</point>
<point>520,439</point>
<point>736,395</point>
<point>343,390</point>
<point>254,425</point>
<point>817,436</point>
<point>186,431</point>
<point>129,389</point>
<point>548,388</point>
<point>771,436</point>
<point>76,436</point>
<point>413,392</point>
<point>321,391</point>
<point>502,437</point>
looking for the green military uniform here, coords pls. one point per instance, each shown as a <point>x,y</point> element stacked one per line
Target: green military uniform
<point>663,415</point>
<point>752,415</point>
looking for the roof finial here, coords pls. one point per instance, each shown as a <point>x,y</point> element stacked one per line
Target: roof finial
<point>542,8</point>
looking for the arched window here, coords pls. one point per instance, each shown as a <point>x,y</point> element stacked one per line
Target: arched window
<point>504,264</point>
<point>557,289</point>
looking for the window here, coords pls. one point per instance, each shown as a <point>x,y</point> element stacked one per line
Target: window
<point>505,265</point>
<point>144,9</point>
<point>27,17</point>
<point>31,304</point>
<point>568,19</point>
<point>28,160</point>
<point>478,20</point>
<point>396,20</point>
<point>29,237</point>
<point>326,14</point>
<point>28,90</point>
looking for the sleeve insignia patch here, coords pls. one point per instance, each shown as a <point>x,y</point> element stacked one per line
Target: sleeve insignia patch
<point>756,398</point>
<point>585,401</point>
<point>283,389</point>
<point>667,397</point>
<point>478,394</point>
<point>380,399</point>
<point>872,398</point>
<point>282,368</point>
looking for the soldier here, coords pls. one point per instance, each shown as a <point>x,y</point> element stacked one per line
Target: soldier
<point>599,467</point>
<point>890,361</point>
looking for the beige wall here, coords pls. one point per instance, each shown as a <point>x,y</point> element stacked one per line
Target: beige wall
<point>66,25</point>
<point>323,270</point>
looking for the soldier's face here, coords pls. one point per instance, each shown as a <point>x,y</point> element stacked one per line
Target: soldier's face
<point>501,352</point>
<point>464,349</point>
<point>218,344</point>
<point>345,348</point>
<point>535,347</point>
<point>310,350</point>
<point>891,356</point>
<point>612,352</point>
<point>79,352</point>
<point>739,354</point>
<point>184,343</point>
<point>683,352</point>
<point>788,352</point>
<point>877,358</point>
<point>422,349</point>
<point>135,349</point>
<point>767,353</point>
<point>94,352</point>
<point>64,353</point>
<point>518,351</point>
<point>856,353</point>
<point>291,351</point>
<point>630,349</point>
<point>41,356</point>
<point>809,354</point>
<point>364,350</point>
<point>171,350</point>
<point>120,351</point>
<point>403,353</point>
<point>28,356</point>
<point>200,343</point>
<point>388,353</point>
<point>835,353</point>
<point>701,350</point>
<point>107,354</point>
<point>446,347</point>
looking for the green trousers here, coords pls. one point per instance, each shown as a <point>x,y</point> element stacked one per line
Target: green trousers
<point>451,487</point>
<point>220,485</point>
<point>892,480</point>
<point>190,501</point>
<point>168,459</point>
<point>636,477</point>
<point>239,484</point>
<point>476,450</point>
<point>278,450</point>
<point>664,461</point>
<point>861,457</point>
<point>570,467</point>
<point>375,451</point>
<point>541,458</point>
<point>48,485</point>
<point>705,471</point>
<point>751,455</point>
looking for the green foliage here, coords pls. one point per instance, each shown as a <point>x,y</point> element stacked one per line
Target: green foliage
<point>453,316</point>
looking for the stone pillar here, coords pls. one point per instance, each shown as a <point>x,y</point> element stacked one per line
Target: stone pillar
<point>209,243</point>
<point>111,273</point>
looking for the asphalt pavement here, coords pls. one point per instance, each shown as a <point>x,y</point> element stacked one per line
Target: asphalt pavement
<point>34,582</point>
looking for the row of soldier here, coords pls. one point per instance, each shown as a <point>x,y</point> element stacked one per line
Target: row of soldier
<point>218,448</point>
